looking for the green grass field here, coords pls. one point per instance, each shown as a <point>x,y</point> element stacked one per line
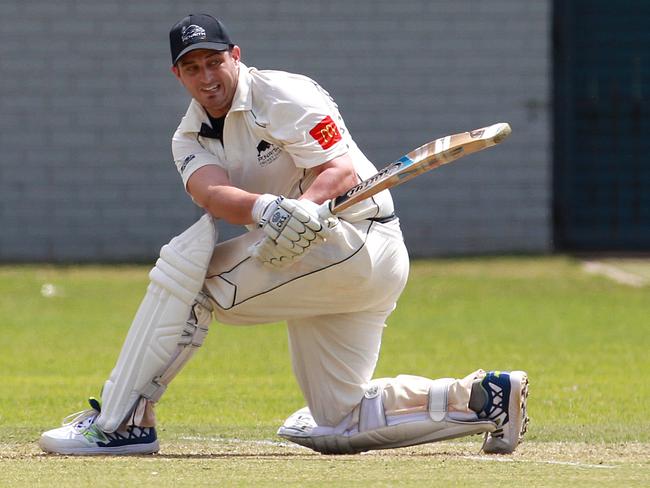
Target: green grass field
<point>583,339</point>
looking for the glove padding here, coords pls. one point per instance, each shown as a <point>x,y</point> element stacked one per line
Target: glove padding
<point>291,227</point>
<point>293,224</point>
<point>273,256</point>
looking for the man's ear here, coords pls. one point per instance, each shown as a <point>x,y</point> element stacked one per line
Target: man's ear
<point>235,53</point>
<point>177,72</point>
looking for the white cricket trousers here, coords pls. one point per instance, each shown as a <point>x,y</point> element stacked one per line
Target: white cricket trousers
<point>335,302</point>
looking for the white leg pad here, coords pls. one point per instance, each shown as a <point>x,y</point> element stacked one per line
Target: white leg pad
<point>168,327</point>
<point>373,425</point>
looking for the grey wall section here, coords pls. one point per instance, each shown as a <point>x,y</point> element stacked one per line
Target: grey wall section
<point>88,107</point>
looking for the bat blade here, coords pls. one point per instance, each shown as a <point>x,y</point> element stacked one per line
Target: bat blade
<point>425,158</point>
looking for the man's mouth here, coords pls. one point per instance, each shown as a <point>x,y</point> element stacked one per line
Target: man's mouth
<point>211,88</point>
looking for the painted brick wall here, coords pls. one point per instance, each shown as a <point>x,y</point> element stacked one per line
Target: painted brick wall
<point>88,106</point>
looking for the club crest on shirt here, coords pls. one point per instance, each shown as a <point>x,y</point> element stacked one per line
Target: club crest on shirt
<point>267,153</point>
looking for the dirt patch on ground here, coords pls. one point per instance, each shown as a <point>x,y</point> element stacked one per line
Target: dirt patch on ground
<point>577,453</point>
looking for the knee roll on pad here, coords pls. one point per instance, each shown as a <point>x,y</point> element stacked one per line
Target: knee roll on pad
<point>384,421</point>
<point>170,324</point>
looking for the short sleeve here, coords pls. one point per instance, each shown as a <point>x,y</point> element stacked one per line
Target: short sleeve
<point>307,123</point>
<point>190,155</point>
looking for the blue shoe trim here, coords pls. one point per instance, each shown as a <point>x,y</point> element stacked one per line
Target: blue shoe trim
<point>497,387</point>
<point>133,435</point>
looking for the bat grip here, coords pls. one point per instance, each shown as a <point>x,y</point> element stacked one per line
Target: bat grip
<point>325,213</point>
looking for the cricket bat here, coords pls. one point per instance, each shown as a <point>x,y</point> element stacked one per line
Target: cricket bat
<point>425,158</point>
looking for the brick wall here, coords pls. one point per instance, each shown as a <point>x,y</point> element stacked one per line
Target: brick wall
<point>87,108</point>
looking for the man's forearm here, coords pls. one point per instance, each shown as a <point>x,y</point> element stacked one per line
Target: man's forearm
<point>330,183</point>
<point>230,204</point>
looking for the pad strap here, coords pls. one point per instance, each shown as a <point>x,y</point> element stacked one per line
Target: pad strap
<point>192,337</point>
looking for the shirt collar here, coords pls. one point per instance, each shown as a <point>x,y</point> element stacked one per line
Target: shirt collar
<point>243,100</point>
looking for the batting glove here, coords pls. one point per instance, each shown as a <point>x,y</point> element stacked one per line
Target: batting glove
<point>273,256</point>
<point>291,224</point>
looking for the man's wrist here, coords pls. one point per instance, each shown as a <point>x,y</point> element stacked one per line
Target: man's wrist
<point>260,205</point>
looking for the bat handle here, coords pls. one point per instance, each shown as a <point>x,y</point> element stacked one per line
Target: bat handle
<point>326,215</point>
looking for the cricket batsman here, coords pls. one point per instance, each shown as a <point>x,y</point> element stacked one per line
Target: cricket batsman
<point>269,150</point>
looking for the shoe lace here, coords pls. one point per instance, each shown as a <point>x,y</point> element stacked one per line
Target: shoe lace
<point>82,416</point>
<point>485,439</point>
<point>78,417</point>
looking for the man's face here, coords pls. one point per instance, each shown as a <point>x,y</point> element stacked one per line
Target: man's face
<point>210,77</point>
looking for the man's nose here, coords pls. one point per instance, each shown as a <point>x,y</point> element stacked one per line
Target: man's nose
<point>206,75</point>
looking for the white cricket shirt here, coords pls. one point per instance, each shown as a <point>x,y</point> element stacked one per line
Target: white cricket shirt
<point>280,125</point>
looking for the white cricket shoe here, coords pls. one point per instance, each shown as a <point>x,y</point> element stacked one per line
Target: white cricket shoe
<point>506,406</point>
<point>80,436</point>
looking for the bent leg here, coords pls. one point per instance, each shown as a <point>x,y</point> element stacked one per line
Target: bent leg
<point>410,410</point>
<point>333,358</point>
<point>335,303</point>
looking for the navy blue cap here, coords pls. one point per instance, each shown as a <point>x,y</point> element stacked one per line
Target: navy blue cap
<point>198,31</point>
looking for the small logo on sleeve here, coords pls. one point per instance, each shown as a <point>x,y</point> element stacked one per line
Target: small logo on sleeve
<point>326,133</point>
<point>186,161</point>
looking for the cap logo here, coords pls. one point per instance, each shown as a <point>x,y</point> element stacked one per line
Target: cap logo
<point>192,33</point>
